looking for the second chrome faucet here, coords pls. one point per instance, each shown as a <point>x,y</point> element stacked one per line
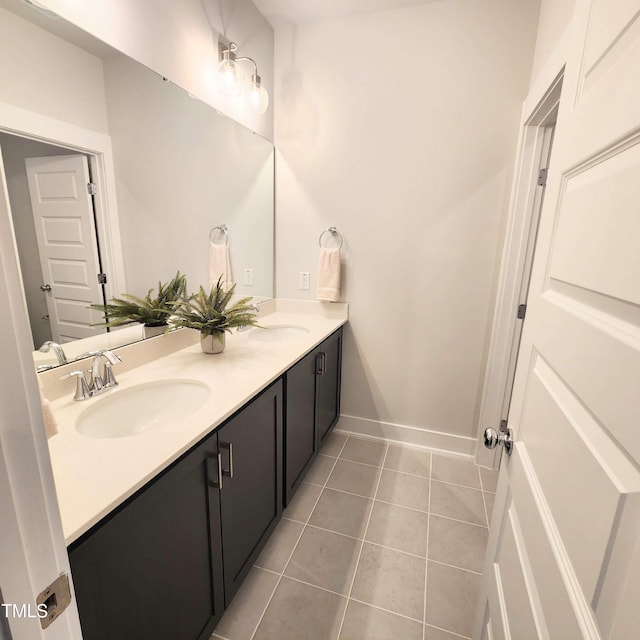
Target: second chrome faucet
<point>100,380</point>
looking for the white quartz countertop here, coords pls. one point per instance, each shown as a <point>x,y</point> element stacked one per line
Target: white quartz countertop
<point>93,476</point>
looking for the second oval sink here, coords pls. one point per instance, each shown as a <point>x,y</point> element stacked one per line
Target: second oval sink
<point>278,333</point>
<point>142,407</point>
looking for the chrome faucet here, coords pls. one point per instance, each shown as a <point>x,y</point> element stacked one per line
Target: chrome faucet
<point>103,379</point>
<point>50,345</point>
<point>99,380</point>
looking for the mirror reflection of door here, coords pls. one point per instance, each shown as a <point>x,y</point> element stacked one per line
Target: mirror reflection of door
<point>55,231</point>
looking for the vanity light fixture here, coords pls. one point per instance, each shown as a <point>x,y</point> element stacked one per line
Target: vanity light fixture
<point>231,81</point>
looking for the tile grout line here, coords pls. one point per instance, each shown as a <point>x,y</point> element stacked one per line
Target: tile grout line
<point>364,535</point>
<point>426,553</point>
<point>295,546</point>
<point>342,595</point>
<point>381,546</point>
<point>453,566</point>
<point>403,473</point>
<point>394,613</point>
<point>457,635</point>
<point>396,504</point>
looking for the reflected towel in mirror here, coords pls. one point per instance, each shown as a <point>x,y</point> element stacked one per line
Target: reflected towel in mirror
<point>220,265</point>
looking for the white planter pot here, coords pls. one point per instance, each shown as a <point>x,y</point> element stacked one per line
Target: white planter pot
<point>149,332</point>
<point>213,343</point>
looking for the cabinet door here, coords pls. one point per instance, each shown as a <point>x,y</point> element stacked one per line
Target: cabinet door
<point>328,386</point>
<point>300,416</point>
<point>251,495</point>
<point>153,570</point>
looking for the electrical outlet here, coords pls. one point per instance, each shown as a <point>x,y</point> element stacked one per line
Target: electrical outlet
<point>303,280</point>
<point>248,277</point>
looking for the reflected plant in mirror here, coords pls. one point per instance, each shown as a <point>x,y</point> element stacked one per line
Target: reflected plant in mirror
<point>153,313</point>
<point>154,171</point>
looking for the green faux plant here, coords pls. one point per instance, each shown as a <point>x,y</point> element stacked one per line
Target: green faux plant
<point>151,312</point>
<point>210,314</point>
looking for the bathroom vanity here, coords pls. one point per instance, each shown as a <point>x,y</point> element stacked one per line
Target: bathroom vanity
<point>166,559</point>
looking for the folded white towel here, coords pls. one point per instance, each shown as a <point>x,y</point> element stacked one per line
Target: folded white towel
<point>220,265</point>
<point>329,274</point>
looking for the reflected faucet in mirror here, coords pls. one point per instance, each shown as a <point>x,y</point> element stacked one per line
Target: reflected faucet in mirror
<point>50,345</point>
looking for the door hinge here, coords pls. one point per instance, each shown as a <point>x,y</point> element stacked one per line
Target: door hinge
<point>542,177</point>
<point>522,311</point>
<point>92,189</point>
<point>53,600</point>
<point>102,278</point>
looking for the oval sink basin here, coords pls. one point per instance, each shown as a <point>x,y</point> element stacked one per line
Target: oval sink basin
<point>137,409</point>
<point>279,333</point>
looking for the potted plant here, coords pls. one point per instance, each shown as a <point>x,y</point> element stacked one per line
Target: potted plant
<point>210,314</point>
<point>152,313</point>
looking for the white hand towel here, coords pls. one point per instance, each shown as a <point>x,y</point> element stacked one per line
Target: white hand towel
<point>50,422</point>
<point>220,265</point>
<point>329,274</point>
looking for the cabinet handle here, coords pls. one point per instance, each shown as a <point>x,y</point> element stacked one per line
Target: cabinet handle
<point>218,472</point>
<point>228,446</point>
<point>323,363</point>
<point>319,359</point>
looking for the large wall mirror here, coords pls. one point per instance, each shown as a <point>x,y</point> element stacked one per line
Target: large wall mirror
<point>169,172</point>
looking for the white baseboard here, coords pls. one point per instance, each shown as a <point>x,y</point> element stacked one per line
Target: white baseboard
<point>402,434</point>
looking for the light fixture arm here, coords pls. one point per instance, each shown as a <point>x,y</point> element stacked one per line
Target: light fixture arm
<point>229,54</point>
<point>228,69</point>
<point>255,66</point>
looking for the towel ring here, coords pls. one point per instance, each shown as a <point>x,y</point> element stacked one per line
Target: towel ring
<point>223,229</point>
<point>334,232</point>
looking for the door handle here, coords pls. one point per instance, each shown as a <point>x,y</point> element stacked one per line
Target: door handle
<point>227,446</point>
<point>493,438</point>
<point>214,476</point>
<point>45,287</point>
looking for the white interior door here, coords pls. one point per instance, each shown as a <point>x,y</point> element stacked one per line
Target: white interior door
<point>563,558</point>
<point>32,549</point>
<point>65,229</point>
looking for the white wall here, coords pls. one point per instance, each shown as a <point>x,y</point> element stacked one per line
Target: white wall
<point>182,169</point>
<point>400,127</point>
<point>44,74</point>
<point>555,16</point>
<point>179,40</point>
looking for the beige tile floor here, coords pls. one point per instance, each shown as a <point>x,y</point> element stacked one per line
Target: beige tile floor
<point>380,541</point>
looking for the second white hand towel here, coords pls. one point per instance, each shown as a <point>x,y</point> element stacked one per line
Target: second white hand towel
<point>329,275</point>
<point>220,265</point>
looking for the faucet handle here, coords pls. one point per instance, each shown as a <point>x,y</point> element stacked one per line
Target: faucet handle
<point>82,388</point>
<point>108,379</point>
<point>113,358</point>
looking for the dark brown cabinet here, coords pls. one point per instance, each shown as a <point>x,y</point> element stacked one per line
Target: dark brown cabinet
<point>250,445</point>
<point>154,568</point>
<point>165,565</point>
<point>312,400</point>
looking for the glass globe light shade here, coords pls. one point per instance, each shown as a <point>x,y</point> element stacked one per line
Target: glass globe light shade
<point>258,95</point>
<point>229,78</point>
